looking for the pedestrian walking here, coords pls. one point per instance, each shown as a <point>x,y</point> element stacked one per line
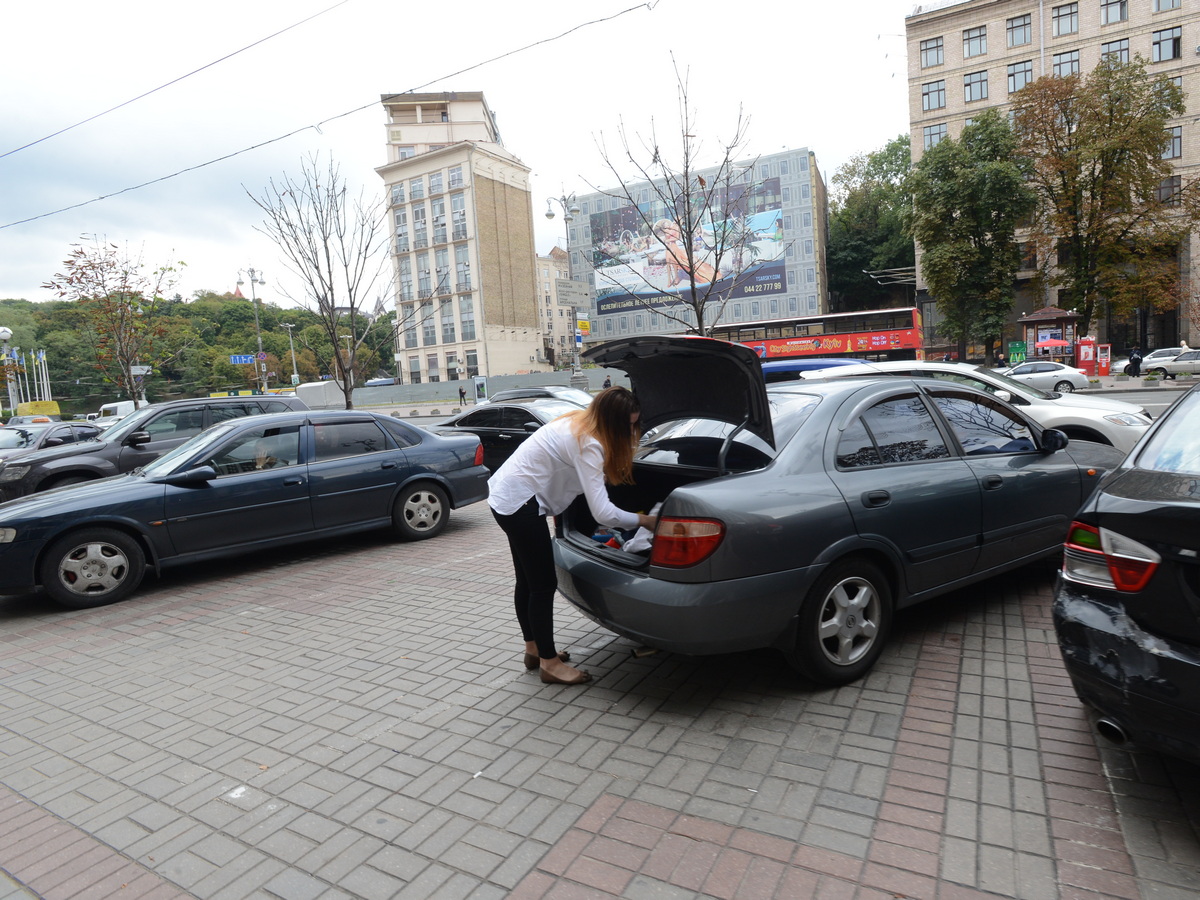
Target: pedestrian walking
<point>462,394</point>
<point>1135,362</point>
<point>572,455</point>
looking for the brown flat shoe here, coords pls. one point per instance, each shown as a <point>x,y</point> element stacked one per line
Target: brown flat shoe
<point>547,678</point>
<point>532,660</point>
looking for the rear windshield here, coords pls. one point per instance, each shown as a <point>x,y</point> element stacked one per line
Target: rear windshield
<point>1175,444</point>
<point>696,442</point>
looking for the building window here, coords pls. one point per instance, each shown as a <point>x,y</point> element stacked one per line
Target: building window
<point>414,370</point>
<point>933,95</point>
<point>934,134</point>
<point>397,193</point>
<point>1163,5</point>
<point>438,208</point>
<point>435,182</point>
<point>401,219</point>
<point>1019,75</point>
<point>1168,191</point>
<point>810,275</point>
<point>1066,63</point>
<point>432,361</point>
<point>783,167</point>
<point>975,86</point>
<point>931,52</point>
<point>423,282</point>
<point>466,318</point>
<point>1066,19</point>
<point>787,195</point>
<point>805,192</point>
<point>416,188</point>
<point>442,267</point>
<point>428,325</point>
<point>406,283</point>
<point>1112,11</point>
<point>472,363</point>
<point>1118,51</point>
<point>447,322</point>
<point>808,247</point>
<point>410,327</point>
<point>456,177</point>
<point>462,267</point>
<point>975,42</point>
<point>1019,30</point>
<point>1167,44</point>
<point>1174,147</point>
<point>420,235</point>
<point>458,217</point>
<point>406,152</point>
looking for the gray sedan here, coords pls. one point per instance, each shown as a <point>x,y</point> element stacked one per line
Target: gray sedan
<point>804,515</point>
<point>1049,376</point>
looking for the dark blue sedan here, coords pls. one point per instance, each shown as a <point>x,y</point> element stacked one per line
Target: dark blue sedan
<point>247,484</point>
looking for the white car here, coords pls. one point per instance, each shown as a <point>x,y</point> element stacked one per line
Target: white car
<point>1049,376</point>
<point>1080,417</point>
<point>1162,354</point>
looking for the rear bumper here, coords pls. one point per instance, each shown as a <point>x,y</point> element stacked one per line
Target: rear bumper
<point>1148,686</point>
<point>693,619</point>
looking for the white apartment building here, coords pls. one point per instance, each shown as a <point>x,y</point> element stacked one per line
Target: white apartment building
<point>463,250</point>
<point>556,315</point>
<point>787,206</point>
<point>965,56</point>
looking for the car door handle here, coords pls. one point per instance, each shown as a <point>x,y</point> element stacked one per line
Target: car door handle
<point>388,464</point>
<point>992,482</point>
<point>504,437</point>
<point>293,479</point>
<point>876,499</point>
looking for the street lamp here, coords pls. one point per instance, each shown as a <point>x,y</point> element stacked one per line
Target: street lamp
<point>570,210</point>
<point>256,277</point>
<point>295,373</point>
<point>6,336</point>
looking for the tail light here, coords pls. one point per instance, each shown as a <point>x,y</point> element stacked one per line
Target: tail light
<point>1105,559</point>
<point>679,543</point>
<point>479,454</point>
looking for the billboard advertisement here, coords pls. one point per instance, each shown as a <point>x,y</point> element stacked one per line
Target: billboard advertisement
<point>641,262</point>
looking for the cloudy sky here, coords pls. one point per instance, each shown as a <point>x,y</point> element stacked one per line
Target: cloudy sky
<point>279,81</point>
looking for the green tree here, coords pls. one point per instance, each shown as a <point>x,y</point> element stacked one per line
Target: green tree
<point>120,300</point>
<point>868,226</point>
<point>968,197</point>
<point>1110,208</point>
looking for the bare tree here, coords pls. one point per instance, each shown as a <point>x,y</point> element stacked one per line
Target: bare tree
<point>337,248</point>
<point>689,238</point>
<point>120,301</point>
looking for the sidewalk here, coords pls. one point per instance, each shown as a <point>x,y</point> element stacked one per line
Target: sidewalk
<point>353,721</point>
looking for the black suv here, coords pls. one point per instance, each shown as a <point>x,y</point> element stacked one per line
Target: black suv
<point>143,435</point>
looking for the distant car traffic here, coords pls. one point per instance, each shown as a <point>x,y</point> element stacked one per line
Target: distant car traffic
<point>1186,363</point>
<point>137,439</point>
<point>246,484</point>
<point>1079,417</point>
<point>803,515</point>
<point>32,420</point>
<point>379,382</point>
<point>502,426</point>
<point>1127,604</point>
<point>1049,376</point>
<point>1120,366</point>
<point>558,392</point>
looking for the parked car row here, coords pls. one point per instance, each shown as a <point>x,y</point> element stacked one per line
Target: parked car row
<point>799,516</point>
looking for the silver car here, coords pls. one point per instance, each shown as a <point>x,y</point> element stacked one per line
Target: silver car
<point>1049,376</point>
<point>1079,417</point>
<point>802,515</point>
<point>1186,363</point>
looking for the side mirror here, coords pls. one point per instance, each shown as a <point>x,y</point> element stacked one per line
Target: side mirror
<point>1054,440</point>
<point>531,427</point>
<point>138,437</point>
<point>198,475</point>
<point>1006,396</point>
<point>53,442</point>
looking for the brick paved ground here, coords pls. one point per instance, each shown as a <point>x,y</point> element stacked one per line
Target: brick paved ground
<point>356,722</point>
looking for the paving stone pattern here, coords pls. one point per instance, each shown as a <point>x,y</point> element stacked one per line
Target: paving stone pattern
<point>354,720</point>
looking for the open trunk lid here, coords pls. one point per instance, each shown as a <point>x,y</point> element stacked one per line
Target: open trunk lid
<point>677,377</point>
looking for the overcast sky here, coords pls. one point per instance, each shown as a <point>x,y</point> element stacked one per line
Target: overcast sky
<point>827,76</point>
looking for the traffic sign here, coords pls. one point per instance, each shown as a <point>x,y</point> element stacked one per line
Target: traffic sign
<point>242,360</point>
<point>261,356</point>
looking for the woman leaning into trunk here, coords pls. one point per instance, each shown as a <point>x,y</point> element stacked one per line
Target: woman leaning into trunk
<point>575,454</point>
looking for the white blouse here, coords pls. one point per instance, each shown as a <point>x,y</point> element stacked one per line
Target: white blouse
<point>556,467</point>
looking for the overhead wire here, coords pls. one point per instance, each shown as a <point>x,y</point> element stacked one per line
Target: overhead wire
<point>317,125</point>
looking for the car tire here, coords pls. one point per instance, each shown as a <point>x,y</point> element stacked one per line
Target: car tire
<point>92,567</point>
<point>421,512</point>
<point>843,623</point>
<point>1159,373</point>
<point>1064,387</point>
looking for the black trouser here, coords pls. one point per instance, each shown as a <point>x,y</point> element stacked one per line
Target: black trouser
<point>533,563</point>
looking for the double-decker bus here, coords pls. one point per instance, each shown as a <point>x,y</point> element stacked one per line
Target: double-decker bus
<point>869,334</point>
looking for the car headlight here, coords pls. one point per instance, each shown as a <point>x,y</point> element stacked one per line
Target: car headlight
<point>7,535</point>
<point>13,473</point>
<point>1115,418</point>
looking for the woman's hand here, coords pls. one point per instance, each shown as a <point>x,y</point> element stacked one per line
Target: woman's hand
<point>647,522</point>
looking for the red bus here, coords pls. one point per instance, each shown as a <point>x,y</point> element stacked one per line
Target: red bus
<point>868,334</point>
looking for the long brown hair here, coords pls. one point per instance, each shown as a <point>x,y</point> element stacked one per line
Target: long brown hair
<point>607,420</point>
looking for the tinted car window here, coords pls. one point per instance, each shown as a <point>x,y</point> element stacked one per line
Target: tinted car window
<point>855,448</point>
<point>1175,446</point>
<point>404,435</point>
<point>904,431</point>
<point>984,427</point>
<point>225,411</point>
<point>483,418</point>
<point>260,448</point>
<point>176,423</point>
<point>348,439</point>
<point>274,406</point>
<point>519,417</point>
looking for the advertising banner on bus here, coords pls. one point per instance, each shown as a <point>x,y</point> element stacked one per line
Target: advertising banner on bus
<point>641,260</point>
<point>835,344</point>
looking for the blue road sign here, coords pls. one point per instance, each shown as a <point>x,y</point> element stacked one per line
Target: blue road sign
<point>246,360</point>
